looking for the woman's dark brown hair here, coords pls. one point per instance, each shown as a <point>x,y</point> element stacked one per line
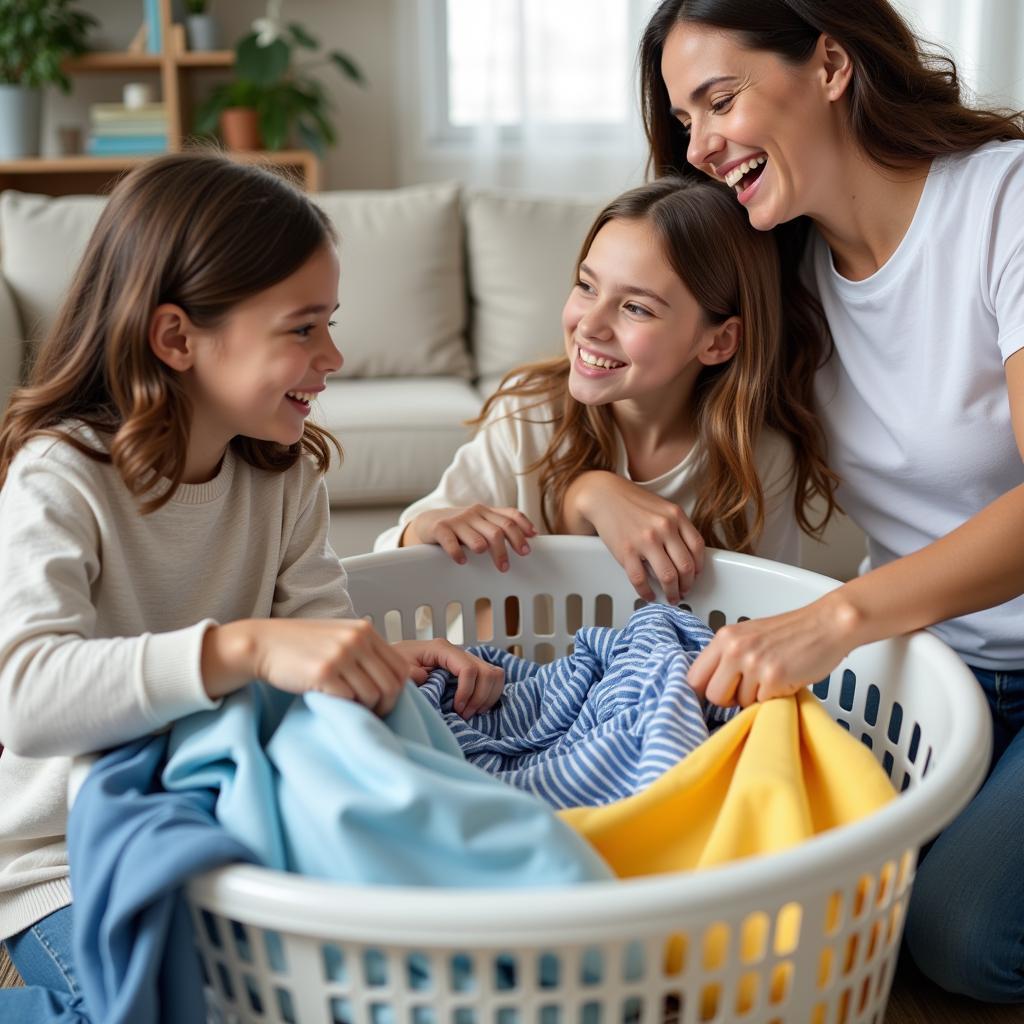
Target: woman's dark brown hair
<point>731,270</point>
<point>904,96</point>
<point>904,106</point>
<point>194,229</point>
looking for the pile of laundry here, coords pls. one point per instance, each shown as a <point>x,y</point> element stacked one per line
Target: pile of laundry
<point>602,764</point>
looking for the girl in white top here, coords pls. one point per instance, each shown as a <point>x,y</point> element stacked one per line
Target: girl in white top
<point>904,209</point>
<point>163,515</point>
<point>671,387</point>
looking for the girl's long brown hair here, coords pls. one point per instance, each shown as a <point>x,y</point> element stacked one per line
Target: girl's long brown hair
<point>904,106</point>
<point>731,270</point>
<point>194,229</point>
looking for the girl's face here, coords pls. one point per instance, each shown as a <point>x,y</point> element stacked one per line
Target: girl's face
<point>256,373</point>
<point>769,129</point>
<point>632,329</point>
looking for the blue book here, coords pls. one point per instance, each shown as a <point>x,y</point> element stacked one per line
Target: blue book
<point>152,12</point>
<point>137,145</point>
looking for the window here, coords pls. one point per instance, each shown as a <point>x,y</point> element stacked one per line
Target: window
<point>513,61</point>
<point>539,95</point>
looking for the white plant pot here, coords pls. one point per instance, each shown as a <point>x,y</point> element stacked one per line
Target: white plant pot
<point>20,118</point>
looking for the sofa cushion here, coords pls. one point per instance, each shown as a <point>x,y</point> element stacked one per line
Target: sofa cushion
<point>41,241</point>
<point>522,252</point>
<point>403,289</point>
<point>11,346</point>
<point>398,435</point>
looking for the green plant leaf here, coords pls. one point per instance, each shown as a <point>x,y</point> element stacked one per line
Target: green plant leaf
<point>36,36</point>
<point>230,94</point>
<point>347,66</point>
<point>310,137</point>
<point>274,123</point>
<point>302,37</point>
<point>261,64</point>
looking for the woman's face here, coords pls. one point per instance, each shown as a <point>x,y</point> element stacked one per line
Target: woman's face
<point>769,129</point>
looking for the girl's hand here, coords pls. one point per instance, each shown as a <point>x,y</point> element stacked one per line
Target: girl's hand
<point>343,657</point>
<point>638,528</point>
<point>478,527</point>
<point>761,659</point>
<point>480,684</point>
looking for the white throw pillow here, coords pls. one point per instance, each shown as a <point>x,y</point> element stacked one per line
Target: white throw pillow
<point>522,252</point>
<point>41,242</point>
<point>403,290</point>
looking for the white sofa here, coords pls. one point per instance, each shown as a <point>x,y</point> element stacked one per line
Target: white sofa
<point>442,291</point>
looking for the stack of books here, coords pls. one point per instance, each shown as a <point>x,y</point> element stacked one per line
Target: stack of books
<point>118,130</point>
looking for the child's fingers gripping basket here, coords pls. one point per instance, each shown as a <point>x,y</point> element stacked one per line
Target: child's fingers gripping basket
<point>809,936</point>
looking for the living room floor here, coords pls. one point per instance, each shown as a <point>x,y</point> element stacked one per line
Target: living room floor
<point>915,1000</point>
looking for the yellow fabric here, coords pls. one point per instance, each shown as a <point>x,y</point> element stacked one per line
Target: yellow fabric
<point>773,776</point>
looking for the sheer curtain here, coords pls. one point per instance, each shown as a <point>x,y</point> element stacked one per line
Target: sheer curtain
<point>541,95</point>
<point>985,38</point>
<point>523,94</point>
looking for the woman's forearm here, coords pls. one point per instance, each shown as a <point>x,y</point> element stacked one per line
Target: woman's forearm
<point>979,565</point>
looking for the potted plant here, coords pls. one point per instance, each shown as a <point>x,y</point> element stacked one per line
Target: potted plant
<point>279,95</point>
<point>35,37</point>
<point>200,25</point>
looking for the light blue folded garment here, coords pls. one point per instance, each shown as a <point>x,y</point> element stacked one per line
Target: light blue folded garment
<point>598,725</point>
<point>324,787</point>
<point>315,785</point>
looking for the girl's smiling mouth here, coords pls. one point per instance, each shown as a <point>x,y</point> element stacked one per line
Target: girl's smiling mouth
<point>593,362</point>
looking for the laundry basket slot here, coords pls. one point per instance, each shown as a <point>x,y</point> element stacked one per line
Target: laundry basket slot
<point>807,936</point>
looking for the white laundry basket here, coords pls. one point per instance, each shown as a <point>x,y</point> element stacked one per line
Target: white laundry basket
<point>808,936</point>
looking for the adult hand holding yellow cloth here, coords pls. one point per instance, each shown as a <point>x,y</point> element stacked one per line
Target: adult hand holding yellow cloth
<point>770,778</point>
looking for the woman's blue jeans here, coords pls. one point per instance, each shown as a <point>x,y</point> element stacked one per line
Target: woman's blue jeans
<point>42,955</point>
<point>965,926</point>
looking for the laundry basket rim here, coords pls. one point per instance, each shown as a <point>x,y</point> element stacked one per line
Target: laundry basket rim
<point>433,916</point>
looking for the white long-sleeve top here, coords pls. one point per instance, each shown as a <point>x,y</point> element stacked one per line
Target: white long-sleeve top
<point>102,617</point>
<point>489,469</point>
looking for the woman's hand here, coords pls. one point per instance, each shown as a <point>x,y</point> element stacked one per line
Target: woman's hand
<point>478,527</point>
<point>776,656</point>
<point>480,684</point>
<point>639,528</point>
<point>342,657</point>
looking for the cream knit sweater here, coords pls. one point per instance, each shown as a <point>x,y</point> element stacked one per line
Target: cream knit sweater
<point>102,616</point>
<point>489,469</point>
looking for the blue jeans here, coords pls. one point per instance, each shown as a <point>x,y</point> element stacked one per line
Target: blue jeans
<point>965,926</point>
<point>42,954</point>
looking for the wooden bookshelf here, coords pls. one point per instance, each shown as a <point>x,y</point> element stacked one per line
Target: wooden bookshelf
<point>81,174</point>
<point>76,175</point>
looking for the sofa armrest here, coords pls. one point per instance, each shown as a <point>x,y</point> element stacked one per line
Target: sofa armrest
<point>12,346</point>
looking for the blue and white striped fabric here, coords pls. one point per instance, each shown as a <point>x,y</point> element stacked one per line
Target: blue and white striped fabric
<point>598,725</point>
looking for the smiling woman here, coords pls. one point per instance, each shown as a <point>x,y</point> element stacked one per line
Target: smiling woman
<point>899,213</point>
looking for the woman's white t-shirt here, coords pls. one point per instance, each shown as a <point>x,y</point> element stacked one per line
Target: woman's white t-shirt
<point>915,399</point>
<point>489,469</point>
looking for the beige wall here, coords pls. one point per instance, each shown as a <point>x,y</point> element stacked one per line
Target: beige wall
<point>365,119</point>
